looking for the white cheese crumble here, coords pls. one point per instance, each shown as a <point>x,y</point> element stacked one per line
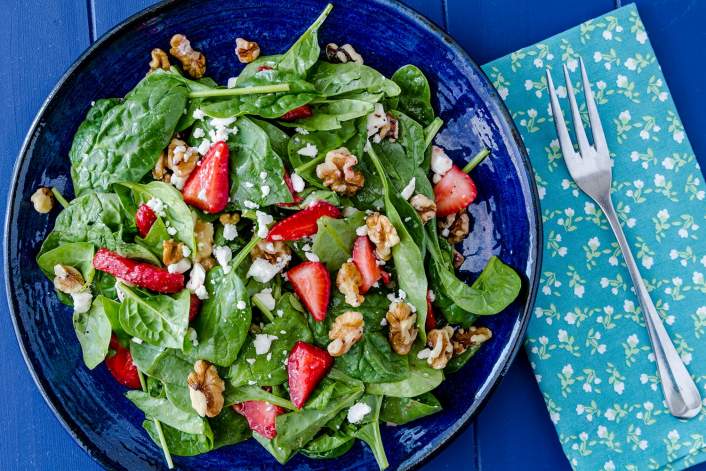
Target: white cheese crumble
<point>157,205</point>
<point>193,336</point>
<point>196,278</point>
<point>309,150</point>
<point>376,120</point>
<point>408,190</point>
<point>250,205</point>
<point>230,231</point>
<point>263,271</point>
<point>241,305</point>
<point>263,220</point>
<point>361,231</point>
<point>177,181</point>
<point>297,182</point>
<point>198,133</point>
<point>222,122</point>
<point>311,256</point>
<point>266,298</point>
<point>179,267</point>
<point>171,230</point>
<point>423,353</point>
<point>251,361</point>
<point>440,162</point>
<point>301,131</point>
<point>263,342</point>
<point>82,301</point>
<point>223,256</point>
<point>198,114</point>
<point>204,146</point>
<point>201,292</point>
<point>357,412</point>
<point>383,322</point>
<point>263,175</point>
<point>185,251</point>
<point>432,296</point>
<point>265,190</point>
<point>232,81</point>
<point>279,313</point>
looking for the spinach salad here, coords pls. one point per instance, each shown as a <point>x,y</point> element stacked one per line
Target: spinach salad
<point>272,259</point>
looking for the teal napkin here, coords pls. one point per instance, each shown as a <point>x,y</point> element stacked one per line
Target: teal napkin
<point>587,341</point>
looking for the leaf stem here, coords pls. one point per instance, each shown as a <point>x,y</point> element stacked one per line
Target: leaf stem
<point>220,92</point>
<point>158,427</point>
<point>263,309</point>
<point>478,158</point>
<point>378,167</point>
<point>244,252</point>
<point>305,167</point>
<point>59,197</point>
<point>431,131</point>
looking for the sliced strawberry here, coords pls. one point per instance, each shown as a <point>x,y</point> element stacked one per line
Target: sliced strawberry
<point>207,188</point>
<point>121,366</point>
<point>365,261</point>
<point>261,416</point>
<point>454,192</point>
<point>144,218</point>
<point>296,199</point>
<point>141,274</point>
<point>194,307</point>
<point>312,283</point>
<point>430,323</point>
<point>299,112</point>
<point>306,366</point>
<point>303,223</point>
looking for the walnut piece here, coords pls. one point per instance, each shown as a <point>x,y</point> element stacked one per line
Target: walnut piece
<point>203,231</point>
<point>425,206</point>
<point>172,251</point>
<point>383,234</point>
<point>455,227</point>
<point>67,279</point>
<point>272,252</point>
<point>206,389</point>
<point>348,281</point>
<point>159,60</point>
<point>463,339</point>
<point>347,329</point>
<point>402,324</point>
<point>229,218</point>
<point>337,172</point>
<point>193,62</point>
<point>388,130</point>
<point>43,200</point>
<point>247,51</point>
<point>176,163</point>
<point>342,54</point>
<point>439,340</point>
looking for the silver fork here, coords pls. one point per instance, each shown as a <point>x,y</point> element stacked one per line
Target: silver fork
<point>591,170</point>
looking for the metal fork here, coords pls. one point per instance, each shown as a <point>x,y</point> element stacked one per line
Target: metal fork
<point>591,170</point>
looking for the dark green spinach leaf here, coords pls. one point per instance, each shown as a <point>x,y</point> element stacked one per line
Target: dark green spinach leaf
<point>402,410</point>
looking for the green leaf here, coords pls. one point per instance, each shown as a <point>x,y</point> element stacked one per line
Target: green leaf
<point>334,239</point>
<point>238,394</point>
<point>157,319</point>
<point>167,365</point>
<point>458,361</point>
<point>328,445</point>
<point>331,114</point>
<point>420,379</point>
<point>78,255</point>
<point>93,332</point>
<point>305,51</point>
<point>279,140</point>
<point>402,410</point>
<point>336,79</point>
<point>281,453</point>
<point>229,428</point>
<point>164,411</point>
<point>180,443</point>
<point>415,95</point>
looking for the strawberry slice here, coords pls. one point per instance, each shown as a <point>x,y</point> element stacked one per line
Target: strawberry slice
<point>144,218</point>
<point>312,283</point>
<point>261,416</point>
<point>365,261</point>
<point>141,274</point>
<point>454,192</point>
<point>121,366</point>
<point>306,366</point>
<point>430,323</point>
<point>299,112</point>
<point>194,307</point>
<point>296,199</point>
<point>303,223</point>
<point>207,188</point>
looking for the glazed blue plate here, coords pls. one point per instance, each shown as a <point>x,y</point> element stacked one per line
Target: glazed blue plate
<point>506,220</point>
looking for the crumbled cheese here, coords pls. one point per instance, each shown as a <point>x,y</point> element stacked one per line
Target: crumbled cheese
<point>266,298</point>
<point>198,114</point>
<point>251,361</point>
<point>179,267</point>
<point>301,131</point>
<point>249,184</point>
<point>263,342</point>
<point>157,205</point>
<point>263,271</point>
<point>423,353</point>
<point>265,189</point>
<point>383,322</point>
<point>220,123</point>
<point>230,231</point>
<point>223,256</point>
<point>171,230</point>
<point>309,150</point>
<point>198,133</point>
<point>445,232</point>
<point>136,340</point>
<point>269,357</point>
<point>232,81</point>
<point>402,294</point>
<point>306,247</point>
<point>250,205</point>
<point>252,383</point>
<point>279,313</point>
<point>241,305</point>
<point>201,292</point>
<point>263,220</point>
<point>440,162</point>
<point>283,332</point>
<point>361,231</point>
<point>297,182</point>
<point>408,190</point>
<point>357,412</point>
<point>193,336</point>
<point>196,278</point>
<point>177,181</point>
<point>311,256</point>
<point>82,301</point>
<point>376,120</point>
<point>263,175</point>
<point>204,146</point>
<point>185,251</point>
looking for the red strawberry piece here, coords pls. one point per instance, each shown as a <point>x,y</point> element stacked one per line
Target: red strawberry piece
<point>121,366</point>
<point>430,323</point>
<point>194,307</point>
<point>312,283</point>
<point>365,261</point>
<point>207,188</point>
<point>303,223</point>
<point>306,366</point>
<point>261,416</point>
<point>296,199</point>
<point>386,277</point>
<point>144,218</point>
<point>260,68</point>
<point>454,192</point>
<point>299,112</point>
<point>141,274</point>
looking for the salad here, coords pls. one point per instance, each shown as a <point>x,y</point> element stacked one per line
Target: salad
<point>272,259</point>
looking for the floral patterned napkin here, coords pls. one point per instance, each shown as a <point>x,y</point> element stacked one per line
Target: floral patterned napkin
<point>587,341</point>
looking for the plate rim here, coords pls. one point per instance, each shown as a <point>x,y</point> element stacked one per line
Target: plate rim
<point>506,125</point>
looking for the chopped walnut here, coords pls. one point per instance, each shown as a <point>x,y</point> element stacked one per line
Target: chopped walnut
<point>176,163</point>
<point>43,200</point>
<point>458,259</point>
<point>203,231</point>
<point>208,263</point>
<point>172,251</point>
<point>389,130</point>
<point>455,227</point>
<point>247,51</point>
<point>347,329</point>
<point>402,324</point>
<point>342,54</point>
<point>229,218</point>
<point>383,234</point>
<point>348,281</point>
<point>159,60</point>
<point>67,279</point>
<point>273,252</point>
<point>439,340</point>
<point>193,62</point>
<point>425,206</point>
<point>206,389</point>
<point>463,339</point>
<point>337,172</point>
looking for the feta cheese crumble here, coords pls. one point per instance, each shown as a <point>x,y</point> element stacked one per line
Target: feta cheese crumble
<point>263,220</point>
<point>263,342</point>
<point>309,150</point>
<point>198,133</point>
<point>250,205</point>
<point>408,190</point>
<point>82,301</point>
<point>232,81</point>
<point>179,267</point>
<point>357,412</point>
<point>241,305</point>
<point>157,205</point>
<point>297,182</point>
<point>230,231</point>
<point>223,256</point>
<point>440,162</point>
<point>266,298</point>
<point>198,114</point>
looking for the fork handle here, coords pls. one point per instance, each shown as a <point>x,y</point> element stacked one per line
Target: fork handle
<point>680,393</point>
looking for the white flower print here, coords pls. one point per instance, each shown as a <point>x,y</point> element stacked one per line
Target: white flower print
<point>622,81</point>
<point>630,63</point>
<point>597,56</point>
<point>641,37</point>
<point>625,115</point>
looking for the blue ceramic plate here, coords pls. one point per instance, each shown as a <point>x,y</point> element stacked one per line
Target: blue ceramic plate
<point>89,403</point>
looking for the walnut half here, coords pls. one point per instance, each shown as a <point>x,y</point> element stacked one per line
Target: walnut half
<point>455,227</point>
<point>193,62</point>
<point>383,234</point>
<point>425,206</point>
<point>348,281</point>
<point>67,279</point>
<point>337,172</point>
<point>206,389</point>
<point>403,329</point>
<point>42,200</point>
<point>347,329</point>
<point>159,60</point>
<point>463,339</point>
<point>247,51</point>
<point>439,340</point>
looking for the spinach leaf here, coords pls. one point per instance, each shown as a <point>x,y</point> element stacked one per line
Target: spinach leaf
<point>78,255</point>
<point>229,428</point>
<point>236,395</point>
<point>180,443</point>
<point>122,141</point>
<point>178,395</point>
<point>222,327</point>
<point>279,140</point>
<point>167,365</point>
<point>328,445</point>
<point>336,79</point>
<point>369,431</point>
<point>281,453</point>
<point>157,319</point>
<point>331,114</point>
<point>155,238</point>
<point>93,332</point>
<point>402,410</point>
<point>334,239</point>
<point>305,51</point>
<point>415,96</point>
<point>138,252</point>
<point>164,411</point>
<point>420,379</point>
<point>459,361</point>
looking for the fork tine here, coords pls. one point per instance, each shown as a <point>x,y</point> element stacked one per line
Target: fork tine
<point>584,146</point>
<point>567,148</point>
<point>593,116</point>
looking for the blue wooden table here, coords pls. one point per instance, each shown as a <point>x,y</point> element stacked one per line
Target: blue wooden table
<point>41,38</point>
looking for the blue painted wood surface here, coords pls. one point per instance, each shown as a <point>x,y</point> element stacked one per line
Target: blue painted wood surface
<point>42,38</point>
